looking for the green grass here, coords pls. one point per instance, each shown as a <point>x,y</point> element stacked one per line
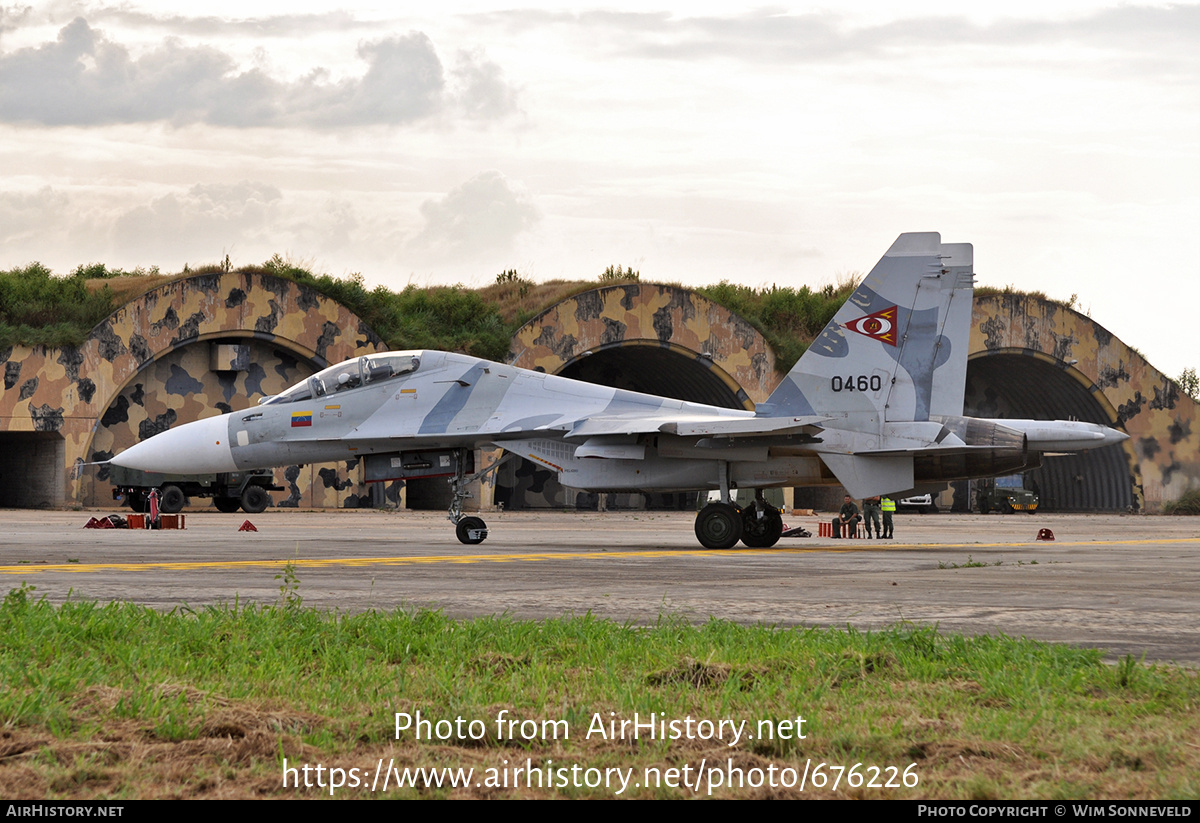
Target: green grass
<point>971,563</point>
<point>122,701</point>
<point>1189,504</point>
<point>788,318</point>
<point>37,308</point>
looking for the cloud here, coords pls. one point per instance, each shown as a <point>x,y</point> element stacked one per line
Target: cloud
<point>404,82</point>
<point>11,18</point>
<point>201,223</point>
<point>483,93</point>
<point>281,25</point>
<point>85,79</point>
<point>483,214</point>
<point>771,36</point>
<point>30,214</point>
<point>329,227</point>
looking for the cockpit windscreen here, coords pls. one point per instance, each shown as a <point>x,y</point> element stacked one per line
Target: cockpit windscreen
<point>362,371</point>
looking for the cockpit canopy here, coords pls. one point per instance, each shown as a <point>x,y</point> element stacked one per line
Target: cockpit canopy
<point>361,371</point>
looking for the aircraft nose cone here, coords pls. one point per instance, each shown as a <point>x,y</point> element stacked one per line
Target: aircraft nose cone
<point>196,448</point>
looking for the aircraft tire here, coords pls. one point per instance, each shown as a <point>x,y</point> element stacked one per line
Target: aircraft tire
<point>719,526</point>
<point>136,502</point>
<point>468,525</point>
<point>227,504</point>
<point>761,534</point>
<point>255,499</point>
<point>171,499</point>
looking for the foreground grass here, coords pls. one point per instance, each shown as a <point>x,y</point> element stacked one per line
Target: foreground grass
<point>122,701</point>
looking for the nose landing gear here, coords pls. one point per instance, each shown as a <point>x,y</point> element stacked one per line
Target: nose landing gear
<point>469,530</point>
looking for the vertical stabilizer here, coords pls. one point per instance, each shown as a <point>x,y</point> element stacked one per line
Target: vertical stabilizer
<point>897,349</point>
<point>950,378</point>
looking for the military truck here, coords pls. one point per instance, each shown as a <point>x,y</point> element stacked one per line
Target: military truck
<point>229,490</point>
<point>1004,494</point>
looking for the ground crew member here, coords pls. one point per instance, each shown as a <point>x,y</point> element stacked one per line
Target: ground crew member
<point>848,517</point>
<point>889,508</point>
<point>871,515</point>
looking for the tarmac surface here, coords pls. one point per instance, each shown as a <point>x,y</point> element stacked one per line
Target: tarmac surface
<point>1128,584</point>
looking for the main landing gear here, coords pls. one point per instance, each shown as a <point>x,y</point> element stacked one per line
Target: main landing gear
<point>761,524</point>
<point>470,530</point>
<point>721,525</point>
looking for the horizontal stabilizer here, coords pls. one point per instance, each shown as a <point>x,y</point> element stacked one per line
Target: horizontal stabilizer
<point>940,451</point>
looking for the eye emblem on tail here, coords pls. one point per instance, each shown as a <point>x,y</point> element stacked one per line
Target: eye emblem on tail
<point>880,325</point>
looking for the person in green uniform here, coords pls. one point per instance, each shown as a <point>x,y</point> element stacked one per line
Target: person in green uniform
<point>889,508</point>
<point>871,507</point>
<point>848,518</point>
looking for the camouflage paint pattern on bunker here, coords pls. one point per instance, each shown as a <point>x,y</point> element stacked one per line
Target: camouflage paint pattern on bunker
<point>642,314</point>
<point>1163,452</point>
<point>149,365</point>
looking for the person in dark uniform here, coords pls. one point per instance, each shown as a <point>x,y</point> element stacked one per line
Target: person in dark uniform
<point>871,515</point>
<point>848,517</point>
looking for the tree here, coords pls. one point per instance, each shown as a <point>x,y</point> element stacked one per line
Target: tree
<point>1190,383</point>
<point>618,274</point>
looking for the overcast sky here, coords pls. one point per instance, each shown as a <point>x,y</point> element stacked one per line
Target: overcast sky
<point>785,145</point>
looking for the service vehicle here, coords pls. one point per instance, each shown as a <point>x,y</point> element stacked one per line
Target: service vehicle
<point>230,491</point>
<point>1004,494</point>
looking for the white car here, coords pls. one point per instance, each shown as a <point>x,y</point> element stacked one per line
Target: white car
<point>922,502</point>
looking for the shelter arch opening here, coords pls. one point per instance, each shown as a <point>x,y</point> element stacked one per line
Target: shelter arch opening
<point>1023,384</point>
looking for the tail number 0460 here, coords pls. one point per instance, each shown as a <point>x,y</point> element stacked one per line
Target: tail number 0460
<point>860,382</point>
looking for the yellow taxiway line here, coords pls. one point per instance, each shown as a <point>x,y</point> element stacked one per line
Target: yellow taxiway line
<point>533,557</point>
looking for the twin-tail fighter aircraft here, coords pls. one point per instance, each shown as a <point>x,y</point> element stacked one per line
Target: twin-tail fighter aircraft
<point>875,404</point>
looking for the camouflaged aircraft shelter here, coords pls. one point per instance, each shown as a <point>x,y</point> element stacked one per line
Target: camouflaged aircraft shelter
<point>179,352</point>
<point>220,341</point>
<point>1029,358</point>
<point>1034,358</point>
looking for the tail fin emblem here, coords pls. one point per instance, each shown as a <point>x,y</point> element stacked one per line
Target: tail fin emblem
<point>880,325</point>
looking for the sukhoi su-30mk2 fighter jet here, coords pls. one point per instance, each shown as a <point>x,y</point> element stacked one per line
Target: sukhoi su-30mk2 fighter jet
<point>875,404</point>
